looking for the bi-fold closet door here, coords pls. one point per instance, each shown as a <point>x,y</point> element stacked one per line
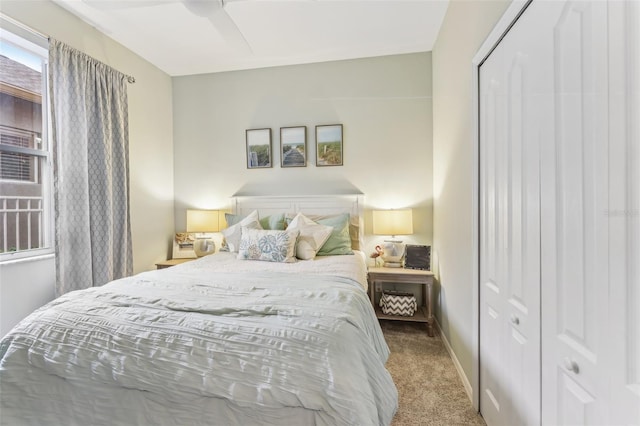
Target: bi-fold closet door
<point>512,109</point>
<point>559,217</point>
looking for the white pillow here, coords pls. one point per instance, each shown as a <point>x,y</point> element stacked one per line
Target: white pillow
<point>312,236</point>
<point>269,245</point>
<point>233,233</point>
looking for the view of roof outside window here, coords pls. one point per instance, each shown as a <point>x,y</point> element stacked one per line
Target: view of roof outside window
<point>24,172</point>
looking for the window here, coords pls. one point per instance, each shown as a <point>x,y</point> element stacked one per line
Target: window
<point>25,157</point>
<point>17,166</point>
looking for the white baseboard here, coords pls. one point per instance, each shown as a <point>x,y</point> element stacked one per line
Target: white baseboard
<point>456,363</point>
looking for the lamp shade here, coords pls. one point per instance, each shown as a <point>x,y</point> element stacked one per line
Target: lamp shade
<point>202,221</point>
<point>393,222</point>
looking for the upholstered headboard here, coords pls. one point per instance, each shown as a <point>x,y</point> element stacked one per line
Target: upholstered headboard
<point>309,205</point>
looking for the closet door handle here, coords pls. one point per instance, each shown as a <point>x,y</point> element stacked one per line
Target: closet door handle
<point>571,365</point>
<point>515,320</point>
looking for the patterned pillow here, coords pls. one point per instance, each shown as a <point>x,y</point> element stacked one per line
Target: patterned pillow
<point>312,236</point>
<point>269,245</point>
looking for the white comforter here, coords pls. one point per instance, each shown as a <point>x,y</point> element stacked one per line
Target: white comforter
<point>213,341</point>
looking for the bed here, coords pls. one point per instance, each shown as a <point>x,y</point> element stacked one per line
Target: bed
<point>218,341</point>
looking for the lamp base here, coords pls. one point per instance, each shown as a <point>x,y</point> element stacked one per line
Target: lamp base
<point>393,253</point>
<point>204,246</point>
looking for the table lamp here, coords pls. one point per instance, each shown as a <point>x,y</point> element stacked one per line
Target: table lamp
<point>393,222</point>
<point>203,223</point>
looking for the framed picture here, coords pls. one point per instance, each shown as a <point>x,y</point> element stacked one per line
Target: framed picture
<point>258,148</point>
<point>418,257</point>
<point>329,145</point>
<point>293,146</point>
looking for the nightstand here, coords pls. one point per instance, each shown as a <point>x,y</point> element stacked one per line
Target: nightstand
<point>171,262</point>
<point>401,276</point>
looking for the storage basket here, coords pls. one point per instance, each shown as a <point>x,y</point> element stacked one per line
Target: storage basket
<point>398,303</point>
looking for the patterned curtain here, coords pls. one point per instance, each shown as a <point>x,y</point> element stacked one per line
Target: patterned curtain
<point>91,170</point>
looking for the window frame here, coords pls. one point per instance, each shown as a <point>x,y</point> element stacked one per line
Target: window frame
<point>35,172</point>
<point>27,39</point>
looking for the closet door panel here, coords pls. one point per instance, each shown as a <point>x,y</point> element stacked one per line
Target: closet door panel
<point>521,233</point>
<point>574,232</point>
<point>560,217</point>
<point>577,403</point>
<point>512,107</point>
<point>623,214</point>
<point>493,385</point>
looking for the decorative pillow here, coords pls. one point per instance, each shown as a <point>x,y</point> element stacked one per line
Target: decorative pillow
<point>274,221</point>
<point>354,225</point>
<point>339,241</point>
<point>312,236</point>
<point>233,233</point>
<point>269,245</point>
<point>233,219</point>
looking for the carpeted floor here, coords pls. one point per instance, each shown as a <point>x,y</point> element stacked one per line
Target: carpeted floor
<point>429,389</point>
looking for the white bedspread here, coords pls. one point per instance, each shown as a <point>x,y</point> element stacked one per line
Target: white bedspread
<point>213,341</point>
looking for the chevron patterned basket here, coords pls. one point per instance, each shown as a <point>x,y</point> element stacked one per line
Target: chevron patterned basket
<point>397,303</point>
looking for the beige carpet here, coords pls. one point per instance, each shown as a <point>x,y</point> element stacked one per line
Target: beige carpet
<point>429,389</point>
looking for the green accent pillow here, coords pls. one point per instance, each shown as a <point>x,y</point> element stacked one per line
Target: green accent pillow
<point>273,222</point>
<point>339,241</point>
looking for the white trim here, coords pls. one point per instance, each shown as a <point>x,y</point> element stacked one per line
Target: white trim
<point>508,18</point>
<point>320,204</point>
<point>513,12</point>
<point>38,44</point>
<point>42,254</point>
<point>456,363</point>
<point>475,237</point>
<point>29,39</point>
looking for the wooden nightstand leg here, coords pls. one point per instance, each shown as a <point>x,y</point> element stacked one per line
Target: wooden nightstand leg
<point>429,313</point>
<point>372,286</point>
<point>430,332</point>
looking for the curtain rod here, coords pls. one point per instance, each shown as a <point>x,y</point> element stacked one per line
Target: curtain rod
<point>129,78</point>
<point>24,27</point>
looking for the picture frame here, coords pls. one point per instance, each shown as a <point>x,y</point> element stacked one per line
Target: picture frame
<point>259,148</point>
<point>329,145</point>
<point>293,146</point>
<point>417,257</point>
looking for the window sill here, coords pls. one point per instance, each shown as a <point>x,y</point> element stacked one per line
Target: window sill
<point>24,257</point>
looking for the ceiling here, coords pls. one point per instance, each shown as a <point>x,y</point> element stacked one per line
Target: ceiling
<point>184,37</point>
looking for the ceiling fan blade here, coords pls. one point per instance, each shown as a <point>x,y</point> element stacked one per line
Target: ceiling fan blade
<point>229,31</point>
<point>124,4</point>
<point>204,8</point>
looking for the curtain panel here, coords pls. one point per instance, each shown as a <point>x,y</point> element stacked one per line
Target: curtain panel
<point>91,170</point>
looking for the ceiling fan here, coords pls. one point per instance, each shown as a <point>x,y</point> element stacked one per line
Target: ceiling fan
<point>213,10</point>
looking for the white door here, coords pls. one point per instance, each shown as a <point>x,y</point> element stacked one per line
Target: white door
<point>514,102</point>
<point>560,217</point>
<point>589,235</point>
<point>624,212</point>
